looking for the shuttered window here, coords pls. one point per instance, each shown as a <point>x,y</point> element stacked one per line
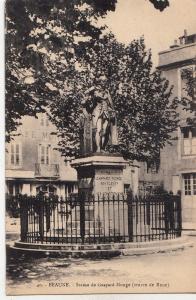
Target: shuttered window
<point>189,141</point>
<point>44,154</point>
<point>15,154</point>
<point>190,184</point>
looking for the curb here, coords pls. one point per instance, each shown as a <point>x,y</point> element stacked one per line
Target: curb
<point>189,233</point>
<point>103,250</point>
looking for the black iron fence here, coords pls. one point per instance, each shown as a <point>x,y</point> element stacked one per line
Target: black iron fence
<point>104,218</point>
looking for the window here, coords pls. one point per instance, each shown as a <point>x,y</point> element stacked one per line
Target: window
<point>188,140</point>
<point>46,189</point>
<point>15,154</point>
<point>44,154</point>
<point>194,184</point>
<point>126,188</point>
<point>44,121</point>
<point>17,189</point>
<point>45,135</point>
<point>14,188</point>
<point>190,184</point>
<point>10,188</point>
<point>187,184</point>
<point>153,167</point>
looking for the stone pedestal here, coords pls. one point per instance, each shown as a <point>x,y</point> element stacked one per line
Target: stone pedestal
<point>101,188</point>
<point>100,173</point>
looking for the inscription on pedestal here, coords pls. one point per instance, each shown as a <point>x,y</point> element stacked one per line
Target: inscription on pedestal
<point>109,181</point>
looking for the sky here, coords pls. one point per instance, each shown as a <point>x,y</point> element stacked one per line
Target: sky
<point>134,18</point>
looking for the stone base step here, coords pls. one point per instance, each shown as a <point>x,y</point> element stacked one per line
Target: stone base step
<point>103,250</point>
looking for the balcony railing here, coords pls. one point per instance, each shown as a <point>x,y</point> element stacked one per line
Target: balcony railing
<point>43,170</point>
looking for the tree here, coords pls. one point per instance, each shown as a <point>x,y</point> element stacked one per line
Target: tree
<point>146,109</point>
<point>36,34</point>
<point>160,4</point>
<point>189,95</point>
<point>146,113</point>
<point>37,30</point>
<point>20,98</point>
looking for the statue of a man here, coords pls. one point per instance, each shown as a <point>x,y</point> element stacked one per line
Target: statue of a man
<point>101,109</point>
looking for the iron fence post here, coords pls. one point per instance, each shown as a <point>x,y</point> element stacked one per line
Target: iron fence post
<point>166,215</point>
<point>41,218</point>
<point>179,214</point>
<point>130,215</point>
<point>47,207</point>
<point>82,215</point>
<point>147,202</point>
<point>23,218</point>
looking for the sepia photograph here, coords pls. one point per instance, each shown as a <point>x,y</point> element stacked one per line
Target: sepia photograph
<point>100,147</point>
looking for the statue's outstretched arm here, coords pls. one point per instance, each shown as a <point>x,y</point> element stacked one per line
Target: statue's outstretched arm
<point>110,99</point>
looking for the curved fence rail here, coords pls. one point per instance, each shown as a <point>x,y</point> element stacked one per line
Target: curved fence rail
<point>104,218</point>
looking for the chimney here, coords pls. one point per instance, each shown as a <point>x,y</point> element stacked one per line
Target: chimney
<point>175,45</point>
<point>185,33</point>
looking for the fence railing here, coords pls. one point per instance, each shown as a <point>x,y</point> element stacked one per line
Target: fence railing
<point>104,218</point>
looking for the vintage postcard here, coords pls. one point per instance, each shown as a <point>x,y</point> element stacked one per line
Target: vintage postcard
<point>100,146</point>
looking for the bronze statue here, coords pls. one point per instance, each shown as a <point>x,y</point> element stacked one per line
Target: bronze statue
<point>99,117</point>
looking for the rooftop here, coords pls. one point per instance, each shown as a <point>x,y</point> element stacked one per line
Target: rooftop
<point>182,52</point>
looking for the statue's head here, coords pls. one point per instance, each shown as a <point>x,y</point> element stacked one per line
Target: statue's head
<point>96,92</point>
<point>99,92</point>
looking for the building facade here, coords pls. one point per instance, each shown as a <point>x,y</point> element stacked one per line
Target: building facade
<point>33,164</point>
<point>177,168</point>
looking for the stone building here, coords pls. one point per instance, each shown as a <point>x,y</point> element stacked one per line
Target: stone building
<point>177,168</point>
<point>33,164</point>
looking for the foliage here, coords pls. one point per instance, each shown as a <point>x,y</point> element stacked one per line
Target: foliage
<point>39,38</point>
<point>145,112</point>
<point>36,30</point>
<point>12,205</point>
<point>189,98</point>
<point>55,51</point>
<point>160,4</point>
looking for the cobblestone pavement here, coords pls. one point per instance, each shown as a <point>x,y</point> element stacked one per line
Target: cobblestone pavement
<point>162,272</point>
